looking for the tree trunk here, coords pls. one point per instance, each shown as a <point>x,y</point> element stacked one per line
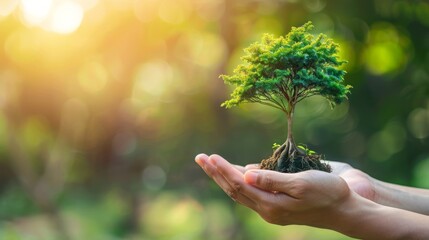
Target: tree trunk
<point>289,144</point>
<point>288,148</point>
<point>291,159</point>
<point>289,127</point>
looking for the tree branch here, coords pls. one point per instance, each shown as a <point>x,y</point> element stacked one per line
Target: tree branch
<point>271,99</point>
<point>307,96</point>
<point>267,103</point>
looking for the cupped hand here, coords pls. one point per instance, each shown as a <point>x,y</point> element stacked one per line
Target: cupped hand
<point>358,181</point>
<point>308,197</point>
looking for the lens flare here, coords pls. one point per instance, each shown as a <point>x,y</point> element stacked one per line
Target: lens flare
<point>60,16</point>
<point>66,18</point>
<point>35,12</point>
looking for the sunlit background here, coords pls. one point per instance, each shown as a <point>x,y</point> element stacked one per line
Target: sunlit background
<point>105,103</point>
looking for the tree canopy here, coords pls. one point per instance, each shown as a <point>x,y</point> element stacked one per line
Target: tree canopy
<point>282,71</point>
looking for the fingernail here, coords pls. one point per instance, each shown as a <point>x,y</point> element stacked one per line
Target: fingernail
<point>250,177</point>
<point>200,162</point>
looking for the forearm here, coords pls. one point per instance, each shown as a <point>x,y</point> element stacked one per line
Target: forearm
<point>407,198</point>
<point>364,219</point>
<point>408,189</point>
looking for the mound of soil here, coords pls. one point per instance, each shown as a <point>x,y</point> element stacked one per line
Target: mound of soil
<point>296,164</point>
<point>289,159</point>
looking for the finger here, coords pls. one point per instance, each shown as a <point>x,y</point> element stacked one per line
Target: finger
<point>269,180</point>
<point>236,180</point>
<point>247,167</point>
<point>201,158</point>
<point>231,191</point>
<point>339,167</point>
<point>202,161</point>
<point>252,166</point>
<point>240,168</point>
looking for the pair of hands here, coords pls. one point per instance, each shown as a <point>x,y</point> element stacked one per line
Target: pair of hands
<point>309,197</point>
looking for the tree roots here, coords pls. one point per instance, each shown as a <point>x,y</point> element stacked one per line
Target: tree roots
<point>290,159</point>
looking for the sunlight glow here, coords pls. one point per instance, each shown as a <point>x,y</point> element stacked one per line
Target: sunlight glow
<point>35,11</point>
<point>7,7</point>
<point>152,78</point>
<point>87,4</point>
<point>174,12</point>
<point>67,17</point>
<point>60,16</point>
<point>93,77</point>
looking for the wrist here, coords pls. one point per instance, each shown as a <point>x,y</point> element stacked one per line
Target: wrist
<point>387,195</point>
<point>406,198</point>
<point>352,214</point>
<point>383,194</point>
<point>361,218</point>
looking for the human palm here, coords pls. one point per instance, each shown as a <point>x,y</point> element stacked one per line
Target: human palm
<point>358,181</point>
<point>321,199</point>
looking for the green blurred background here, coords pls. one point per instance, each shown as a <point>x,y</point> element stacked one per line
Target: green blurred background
<point>105,103</point>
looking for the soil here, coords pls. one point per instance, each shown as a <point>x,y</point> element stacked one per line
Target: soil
<point>290,159</point>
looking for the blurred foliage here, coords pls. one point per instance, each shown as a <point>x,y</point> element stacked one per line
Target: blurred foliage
<point>104,104</point>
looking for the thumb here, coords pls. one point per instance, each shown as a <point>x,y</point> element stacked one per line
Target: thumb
<point>268,180</point>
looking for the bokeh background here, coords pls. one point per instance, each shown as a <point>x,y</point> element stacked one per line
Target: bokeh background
<point>105,103</point>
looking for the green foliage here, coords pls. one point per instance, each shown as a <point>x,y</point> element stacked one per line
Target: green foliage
<point>282,71</point>
<point>15,202</point>
<point>164,108</point>
<point>306,150</point>
<point>275,146</point>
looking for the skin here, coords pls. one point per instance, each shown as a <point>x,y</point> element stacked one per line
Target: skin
<point>346,200</point>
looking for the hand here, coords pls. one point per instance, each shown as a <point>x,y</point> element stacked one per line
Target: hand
<point>308,197</point>
<point>387,194</point>
<point>327,200</point>
<point>358,181</point>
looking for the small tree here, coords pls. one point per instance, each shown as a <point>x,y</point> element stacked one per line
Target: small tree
<point>280,72</point>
